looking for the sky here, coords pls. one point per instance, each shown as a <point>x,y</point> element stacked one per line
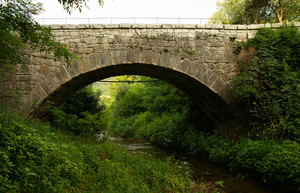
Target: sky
<point>133,8</point>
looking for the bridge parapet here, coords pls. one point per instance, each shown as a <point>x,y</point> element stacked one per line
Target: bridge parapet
<point>169,26</point>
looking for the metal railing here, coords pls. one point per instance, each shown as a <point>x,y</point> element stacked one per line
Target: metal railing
<point>130,20</point>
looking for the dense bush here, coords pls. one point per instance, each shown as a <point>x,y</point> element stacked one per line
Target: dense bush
<point>29,161</point>
<point>143,110</point>
<point>171,120</point>
<point>267,160</point>
<point>36,158</point>
<point>270,83</point>
<point>80,114</point>
<point>82,101</point>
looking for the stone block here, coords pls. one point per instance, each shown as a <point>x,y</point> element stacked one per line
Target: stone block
<point>232,27</point>
<point>268,25</point>
<point>111,26</point>
<point>217,26</point>
<point>168,26</point>
<point>276,25</point>
<point>83,26</point>
<point>153,26</point>
<point>201,26</point>
<point>297,24</point>
<point>39,89</point>
<point>68,26</point>
<point>62,74</point>
<point>54,26</point>
<point>96,26</point>
<point>139,26</point>
<point>208,26</point>
<point>83,50</point>
<point>185,26</point>
<point>255,26</point>
<point>125,26</point>
<point>241,26</point>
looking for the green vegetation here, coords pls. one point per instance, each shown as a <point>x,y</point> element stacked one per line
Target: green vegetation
<point>17,29</point>
<point>82,114</point>
<point>269,83</point>
<point>165,116</point>
<point>38,158</point>
<point>256,11</point>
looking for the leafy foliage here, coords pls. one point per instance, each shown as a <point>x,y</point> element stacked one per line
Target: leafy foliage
<point>256,11</point>
<point>80,114</point>
<point>154,110</point>
<point>169,119</point>
<point>20,34</point>
<point>267,160</point>
<point>84,100</point>
<point>70,5</point>
<point>36,158</point>
<point>270,83</point>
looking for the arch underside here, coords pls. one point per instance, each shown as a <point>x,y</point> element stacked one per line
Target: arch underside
<point>210,102</point>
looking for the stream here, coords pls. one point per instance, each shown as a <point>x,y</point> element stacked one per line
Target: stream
<point>201,169</point>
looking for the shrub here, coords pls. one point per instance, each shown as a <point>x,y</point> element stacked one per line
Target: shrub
<point>36,158</point>
<point>270,83</point>
<point>81,114</point>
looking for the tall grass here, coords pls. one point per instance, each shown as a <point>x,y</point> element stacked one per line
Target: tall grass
<point>34,157</point>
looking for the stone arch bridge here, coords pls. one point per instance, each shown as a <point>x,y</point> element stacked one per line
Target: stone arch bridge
<point>198,59</point>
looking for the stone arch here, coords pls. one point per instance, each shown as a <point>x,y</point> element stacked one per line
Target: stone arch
<point>211,103</point>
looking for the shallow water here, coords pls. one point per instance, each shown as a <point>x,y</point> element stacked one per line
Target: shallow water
<point>201,168</point>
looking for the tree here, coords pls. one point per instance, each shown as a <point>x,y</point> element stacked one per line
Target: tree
<point>18,29</point>
<point>270,83</point>
<point>84,100</point>
<point>20,34</point>
<point>69,5</point>
<point>286,9</point>
<point>257,11</point>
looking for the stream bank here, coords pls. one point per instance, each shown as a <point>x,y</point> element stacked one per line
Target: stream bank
<point>201,168</point>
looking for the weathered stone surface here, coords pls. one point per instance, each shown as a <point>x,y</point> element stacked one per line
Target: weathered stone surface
<point>153,26</point>
<point>198,59</point>
<point>217,26</point>
<point>55,26</point>
<point>68,26</point>
<point>168,26</point>
<point>255,26</point>
<point>125,26</point>
<point>230,26</point>
<point>110,26</point>
<point>96,26</point>
<point>139,26</point>
<point>200,26</point>
<point>83,26</point>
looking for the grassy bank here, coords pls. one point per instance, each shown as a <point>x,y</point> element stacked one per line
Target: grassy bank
<point>265,159</point>
<point>37,158</point>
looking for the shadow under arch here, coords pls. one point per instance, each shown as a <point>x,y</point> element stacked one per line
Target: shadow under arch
<point>210,102</point>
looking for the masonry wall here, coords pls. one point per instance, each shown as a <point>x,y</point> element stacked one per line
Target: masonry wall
<point>206,53</point>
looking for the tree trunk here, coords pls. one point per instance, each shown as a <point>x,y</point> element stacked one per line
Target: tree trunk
<point>279,11</point>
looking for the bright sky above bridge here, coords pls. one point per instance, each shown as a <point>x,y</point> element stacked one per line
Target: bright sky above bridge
<point>134,8</point>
